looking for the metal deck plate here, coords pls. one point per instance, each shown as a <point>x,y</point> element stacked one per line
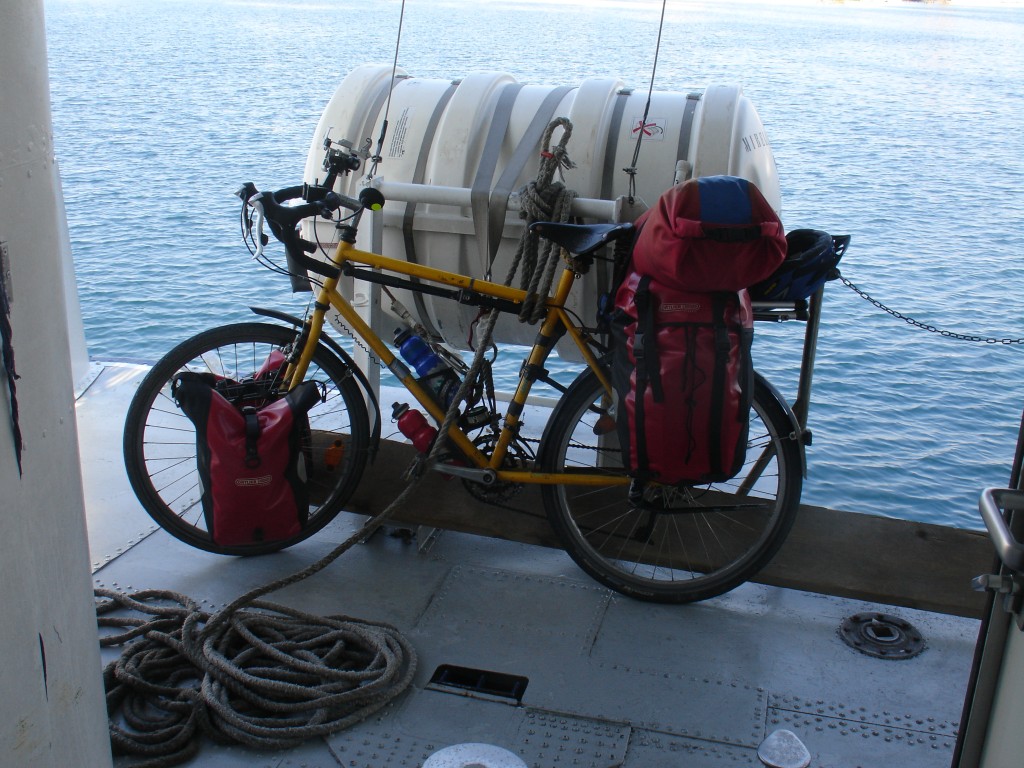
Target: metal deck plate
<point>612,682</point>
<point>650,749</point>
<point>428,721</point>
<point>546,630</point>
<point>116,520</point>
<point>861,743</point>
<point>514,613</point>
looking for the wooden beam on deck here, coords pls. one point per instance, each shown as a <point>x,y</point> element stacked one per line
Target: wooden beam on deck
<point>847,554</point>
<point>879,559</point>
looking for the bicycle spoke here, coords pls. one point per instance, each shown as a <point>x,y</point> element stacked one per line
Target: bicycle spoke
<point>669,543</point>
<point>160,441</point>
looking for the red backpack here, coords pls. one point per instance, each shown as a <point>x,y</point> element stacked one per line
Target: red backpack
<point>715,233</point>
<point>251,462</point>
<point>683,328</point>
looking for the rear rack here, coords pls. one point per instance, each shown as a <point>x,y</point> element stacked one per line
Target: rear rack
<point>808,311</point>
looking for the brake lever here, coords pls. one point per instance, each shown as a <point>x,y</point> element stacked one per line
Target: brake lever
<point>246,191</point>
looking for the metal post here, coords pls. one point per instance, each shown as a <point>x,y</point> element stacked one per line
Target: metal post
<point>803,394</point>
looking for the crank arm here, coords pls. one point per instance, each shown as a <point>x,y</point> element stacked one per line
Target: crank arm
<point>475,474</point>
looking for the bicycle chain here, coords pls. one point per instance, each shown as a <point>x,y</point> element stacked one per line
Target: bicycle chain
<point>924,326</point>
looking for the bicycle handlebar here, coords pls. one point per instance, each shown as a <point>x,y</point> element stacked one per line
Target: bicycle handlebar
<point>284,220</point>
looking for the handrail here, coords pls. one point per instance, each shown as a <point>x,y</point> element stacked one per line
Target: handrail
<point>461,197</point>
<point>991,504</point>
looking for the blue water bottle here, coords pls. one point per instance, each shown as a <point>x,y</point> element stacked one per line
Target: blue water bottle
<point>433,372</point>
<point>417,354</point>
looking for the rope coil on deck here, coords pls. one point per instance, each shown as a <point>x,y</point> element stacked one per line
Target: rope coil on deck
<point>254,673</point>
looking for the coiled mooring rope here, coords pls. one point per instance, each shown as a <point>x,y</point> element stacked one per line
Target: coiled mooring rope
<point>255,673</point>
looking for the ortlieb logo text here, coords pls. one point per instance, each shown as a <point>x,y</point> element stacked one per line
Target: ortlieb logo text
<point>689,306</point>
<point>251,482</point>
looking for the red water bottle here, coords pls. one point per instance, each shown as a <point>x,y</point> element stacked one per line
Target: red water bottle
<point>414,426</point>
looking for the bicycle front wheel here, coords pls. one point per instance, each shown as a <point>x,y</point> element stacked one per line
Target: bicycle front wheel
<point>160,441</point>
<point>669,544</point>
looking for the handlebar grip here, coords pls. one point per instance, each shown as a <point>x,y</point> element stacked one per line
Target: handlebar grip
<point>284,220</point>
<point>246,191</point>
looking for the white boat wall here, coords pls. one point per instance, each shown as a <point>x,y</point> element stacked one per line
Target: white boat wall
<point>52,710</point>
<point>456,152</point>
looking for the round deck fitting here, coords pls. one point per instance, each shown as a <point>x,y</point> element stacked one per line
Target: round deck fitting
<point>882,636</point>
<point>474,756</point>
<point>783,749</point>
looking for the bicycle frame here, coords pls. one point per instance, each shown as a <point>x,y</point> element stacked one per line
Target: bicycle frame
<point>555,323</point>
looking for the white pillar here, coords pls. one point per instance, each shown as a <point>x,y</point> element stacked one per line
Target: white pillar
<point>52,710</point>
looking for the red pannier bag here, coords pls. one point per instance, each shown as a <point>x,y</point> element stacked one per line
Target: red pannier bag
<point>682,330</point>
<point>684,379</point>
<point>252,464</point>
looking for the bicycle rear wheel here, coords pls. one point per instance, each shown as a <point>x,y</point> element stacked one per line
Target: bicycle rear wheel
<point>160,441</point>
<point>673,545</point>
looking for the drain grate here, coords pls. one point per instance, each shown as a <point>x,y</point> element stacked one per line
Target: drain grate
<point>479,681</point>
<point>882,636</point>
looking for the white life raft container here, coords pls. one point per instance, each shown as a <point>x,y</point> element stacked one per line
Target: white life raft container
<point>455,153</point>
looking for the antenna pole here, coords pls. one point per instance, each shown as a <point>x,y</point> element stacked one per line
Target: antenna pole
<point>631,170</point>
<point>387,108</point>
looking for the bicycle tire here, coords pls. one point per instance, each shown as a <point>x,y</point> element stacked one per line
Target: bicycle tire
<point>685,544</point>
<point>160,441</point>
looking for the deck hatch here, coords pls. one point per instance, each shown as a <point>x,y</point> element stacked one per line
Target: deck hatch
<point>479,681</point>
<point>882,636</point>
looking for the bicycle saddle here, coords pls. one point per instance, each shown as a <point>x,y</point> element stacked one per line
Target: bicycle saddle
<point>581,239</point>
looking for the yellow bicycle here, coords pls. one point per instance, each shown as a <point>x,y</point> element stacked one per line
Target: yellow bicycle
<point>661,543</point>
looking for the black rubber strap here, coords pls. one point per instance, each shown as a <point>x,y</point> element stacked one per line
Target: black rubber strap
<point>646,356</point>
<point>378,104</point>
<point>480,192</point>
<point>421,168</point>
<point>647,332</point>
<point>528,145</point>
<point>252,436</point>
<point>687,127</point>
<point>718,383</point>
<point>608,174</point>
<point>410,208</point>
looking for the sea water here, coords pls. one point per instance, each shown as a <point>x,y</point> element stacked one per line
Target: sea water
<point>897,123</point>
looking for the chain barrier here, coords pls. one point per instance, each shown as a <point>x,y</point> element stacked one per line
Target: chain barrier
<point>923,326</point>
